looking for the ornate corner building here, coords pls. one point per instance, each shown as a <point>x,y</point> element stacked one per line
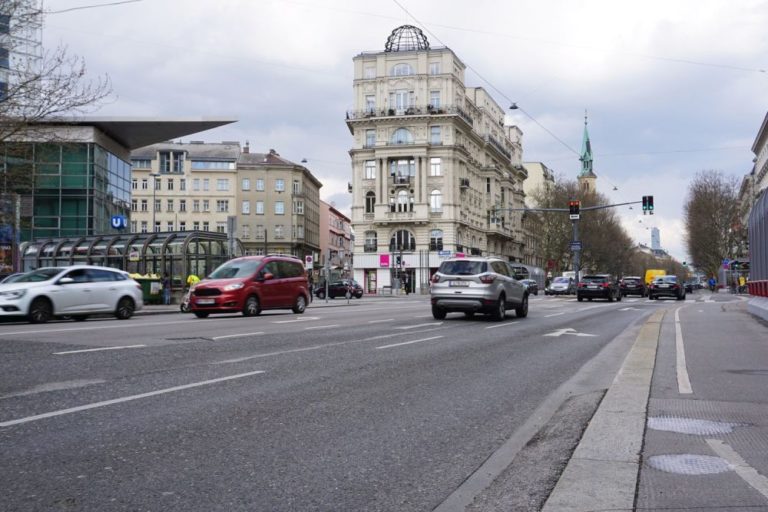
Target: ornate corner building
<point>435,170</point>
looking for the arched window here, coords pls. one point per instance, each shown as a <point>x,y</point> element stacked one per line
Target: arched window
<point>402,240</point>
<point>402,136</point>
<point>402,201</point>
<point>436,201</point>
<point>371,241</point>
<point>436,240</point>
<point>402,69</point>
<point>370,201</point>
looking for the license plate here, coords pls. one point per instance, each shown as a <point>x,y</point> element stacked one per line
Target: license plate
<point>663,286</point>
<point>459,284</point>
<point>593,287</point>
<point>204,302</point>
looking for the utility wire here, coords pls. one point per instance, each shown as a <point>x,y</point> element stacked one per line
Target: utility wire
<point>94,6</point>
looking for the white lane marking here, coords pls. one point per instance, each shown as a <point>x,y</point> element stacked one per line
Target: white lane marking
<point>505,324</point>
<point>381,321</point>
<point>96,349</point>
<point>407,342</point>
<point>740,466</point>
<point>124,399</point>
<point>238,335</point>
<point>423,316</point>
<point>321,327</point>
<point>554,314</point>
<point>303,319</point>
<point>568,330</point>
<point>683,382</point>
<point>418,325</point>
<point>629,309</point>
<point>122,325</point>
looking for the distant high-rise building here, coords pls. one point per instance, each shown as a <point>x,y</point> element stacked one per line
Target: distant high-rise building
<point>21,35</point>
<point>655,239</point>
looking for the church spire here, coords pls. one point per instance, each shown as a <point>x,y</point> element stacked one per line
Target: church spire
<point>587,177</point>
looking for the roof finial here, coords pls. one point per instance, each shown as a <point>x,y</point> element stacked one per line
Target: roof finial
<point>585,117</point>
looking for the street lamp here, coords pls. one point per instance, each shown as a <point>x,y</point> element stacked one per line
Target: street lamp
<point>154,177</point>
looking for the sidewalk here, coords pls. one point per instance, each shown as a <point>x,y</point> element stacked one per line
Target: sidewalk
<point>684,426</point>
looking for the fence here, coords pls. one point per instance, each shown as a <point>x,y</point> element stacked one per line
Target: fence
<point>758,246</point>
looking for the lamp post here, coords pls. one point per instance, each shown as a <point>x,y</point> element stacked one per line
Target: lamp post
<point>154,177</point>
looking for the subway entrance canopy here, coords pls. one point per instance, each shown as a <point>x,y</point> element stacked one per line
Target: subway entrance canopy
<point>180,253</point>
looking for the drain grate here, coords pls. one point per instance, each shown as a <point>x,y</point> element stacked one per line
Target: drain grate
<point>691,426</point>
<point>689,464</point>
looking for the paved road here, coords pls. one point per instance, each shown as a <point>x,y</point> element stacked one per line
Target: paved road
<point>367,406</point>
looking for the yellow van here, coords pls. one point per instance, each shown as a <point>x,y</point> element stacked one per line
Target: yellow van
<point>652,274</point>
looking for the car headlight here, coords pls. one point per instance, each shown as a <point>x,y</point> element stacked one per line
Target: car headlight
<point>13,294</point>
<point>234,286</point>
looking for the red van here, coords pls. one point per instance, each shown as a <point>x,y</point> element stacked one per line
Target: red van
<point>251,284</point>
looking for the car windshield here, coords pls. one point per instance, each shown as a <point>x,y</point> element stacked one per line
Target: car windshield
<point>463,267</point>
<point>561,280</point>
<point>39,275</point>
<point>594,279</point>
<point>666,279</point>
<point>235,268</point>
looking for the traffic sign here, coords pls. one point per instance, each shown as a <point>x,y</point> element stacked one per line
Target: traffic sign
<point>119,222</point>
<point>574,216</point>
<point>575,245</point>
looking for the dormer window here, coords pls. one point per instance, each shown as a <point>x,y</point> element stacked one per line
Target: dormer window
<point>402,69</point>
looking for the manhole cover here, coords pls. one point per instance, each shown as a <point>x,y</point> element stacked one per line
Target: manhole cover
<point>689,464</point>
<point>691,426</point>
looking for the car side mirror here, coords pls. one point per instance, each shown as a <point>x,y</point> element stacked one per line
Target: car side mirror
<point>65,280</point>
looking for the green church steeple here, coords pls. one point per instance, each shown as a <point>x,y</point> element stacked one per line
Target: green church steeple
<point>586,153</point>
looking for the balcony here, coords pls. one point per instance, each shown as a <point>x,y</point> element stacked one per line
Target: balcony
<point>425,110</point>
<point>401,181</point>
<point>498,146</point>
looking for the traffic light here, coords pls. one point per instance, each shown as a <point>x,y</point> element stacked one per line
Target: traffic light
<point>650,205</point>
<point>574,207</point>
<point>398,261</point>
<point>645,204</point>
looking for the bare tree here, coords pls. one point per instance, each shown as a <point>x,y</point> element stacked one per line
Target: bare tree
<point>712,223</point>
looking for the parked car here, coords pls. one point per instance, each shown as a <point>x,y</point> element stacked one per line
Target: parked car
<point>632,285</point>
<point>598,286</point>
<point>531,285</point>
<point>561,286</point>
<point>666,286</point>
<point>251,284</point>
<point>340,289</point>
<point>477,285</point>
<point>689,286</point>
<point>11,278</point>
<point>73,291</point>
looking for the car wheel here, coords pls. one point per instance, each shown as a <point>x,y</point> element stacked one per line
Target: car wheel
<point>251,306</point>
<point>40,311</point>
<point>125,309</point>
<point>500,312</point>
<point>438,313</point>
<point>618,298</point>
<point>359,296</point>
<point>80,318</point>
<point>589,299</point>
<point>321,294</point>
<point>469,314</point>
<point>610,297</point>
<point>522,310</point>
<point>201,314</point>
<point>300,305</point>
<point>536,292</point>
<point>580,299</point>
<point>184,308</point>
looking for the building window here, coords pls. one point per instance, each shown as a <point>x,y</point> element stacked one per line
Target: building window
<point>245,184</point>
<point>134,226</point>
<point>143,226</point>
<point>221,227</point>
<point>157,226</point>
<point>434,99</point>
<point>222,185</point>
<point>196,205</point>
<point>400,100</point>
<point>169,226</point>
<point>402,69</point>
<point>141,163</point>
<point>144,207</point>
<point>436,240</point>
<point>402,240</point>
<point>182,226</point>
<point>279,185</point>
<point>246,207</point>
<point>298,207</point>
<point>371,241</point>
<point>182,184</point>
<point>134,205</point>
<point>158,184</point>
<point>169,184</point>
<point>370,103</point>
<point>222,205</point>
<point>401,170</point>
<point>279,231</point>
<point>296,187</point>
<point>279,208</point>
<point>370,169</point>
<point>196,184</point>
<point>206,226</point>
<point>206,205</point>
<point>172,161</point>
<point>369,72</point>
<point>219,165</point>
<point>370,138</point>
<point>169,205</point>
<point>300,232</point>
<point>436,201</point>
<point>435,135</point>
<point>245,231</point>
<point>144,184</point>
<point>435,167</point>
<point>134,184</point>
<point>259,184</point>
<point>259,207</point>
<point>182,205</point>
<point>403,201</point>
<point>370,201</point>
<point>158,207</point>
<point>402,136</point>
<point>196,226</point>
<point>260,232</point>
<point>206,184</point>
<point>434,68</point>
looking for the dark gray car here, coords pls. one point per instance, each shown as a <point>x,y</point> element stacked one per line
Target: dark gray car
<point>477,285</point>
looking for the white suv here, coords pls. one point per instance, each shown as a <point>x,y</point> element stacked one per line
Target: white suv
<point>477,285</point>
<point>75,291</point>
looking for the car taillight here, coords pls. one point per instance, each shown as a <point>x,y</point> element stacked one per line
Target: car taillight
<point>582,285</point>
<point>606,285</point>
<point>435,278</point>
<point>487,279</point>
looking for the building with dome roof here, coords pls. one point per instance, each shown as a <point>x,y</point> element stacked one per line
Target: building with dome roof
<point>436,171</point>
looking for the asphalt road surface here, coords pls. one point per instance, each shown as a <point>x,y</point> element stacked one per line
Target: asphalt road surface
<point>369,406</point>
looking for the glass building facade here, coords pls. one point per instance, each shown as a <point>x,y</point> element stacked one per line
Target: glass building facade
<point>75,188</point>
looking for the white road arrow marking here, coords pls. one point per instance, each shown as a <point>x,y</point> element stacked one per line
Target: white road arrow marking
<point>568,330</point>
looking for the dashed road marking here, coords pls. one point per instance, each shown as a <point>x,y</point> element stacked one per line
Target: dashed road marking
<point>96,349</point>
<point>407,342</point>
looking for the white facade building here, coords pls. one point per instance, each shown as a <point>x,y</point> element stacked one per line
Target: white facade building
<point>436,171</point>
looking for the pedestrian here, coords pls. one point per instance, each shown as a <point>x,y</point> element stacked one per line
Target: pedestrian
<point>166,289</point>
<point>712,283</point>
<point>192,280</point>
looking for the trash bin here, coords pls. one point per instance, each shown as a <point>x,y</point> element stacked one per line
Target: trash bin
<point>152,289</point>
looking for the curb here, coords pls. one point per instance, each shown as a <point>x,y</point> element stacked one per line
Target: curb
<point>603,470</point>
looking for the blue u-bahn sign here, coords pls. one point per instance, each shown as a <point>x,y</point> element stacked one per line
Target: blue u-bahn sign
<point>119,222</point>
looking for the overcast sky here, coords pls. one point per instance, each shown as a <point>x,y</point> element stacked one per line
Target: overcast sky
<point>672,87</point>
